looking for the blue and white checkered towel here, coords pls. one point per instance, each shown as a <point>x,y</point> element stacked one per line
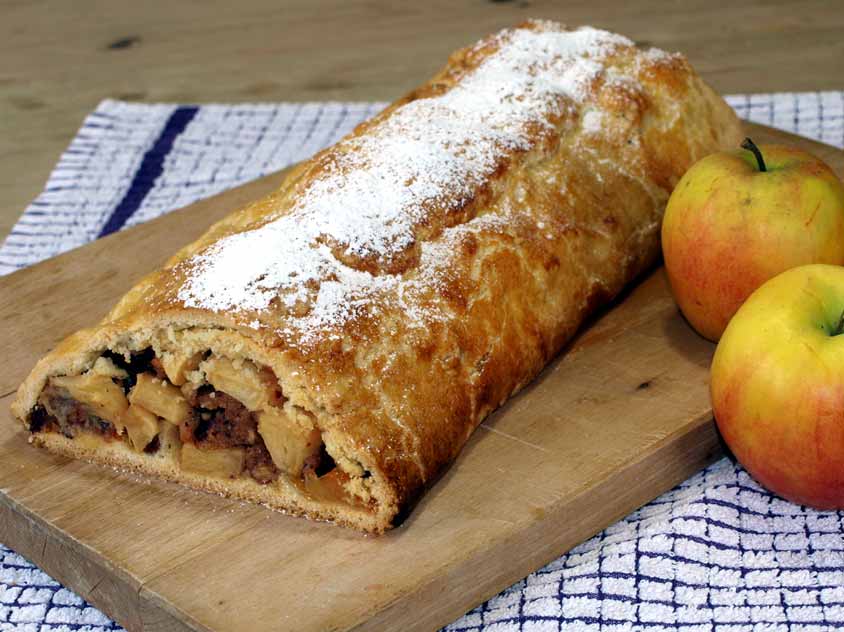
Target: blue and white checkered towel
<point>716,552</point>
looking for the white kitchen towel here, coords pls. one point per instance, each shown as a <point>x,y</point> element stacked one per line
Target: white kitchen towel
<point>716,552</point>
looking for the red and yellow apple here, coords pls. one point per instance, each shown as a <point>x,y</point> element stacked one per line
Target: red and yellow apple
<point>778,385</point>
<point>736,219</point>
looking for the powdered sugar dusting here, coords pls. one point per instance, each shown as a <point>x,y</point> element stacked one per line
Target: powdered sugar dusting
<point>376,191</point>
<point>593,121</point>
<point>659,55</point>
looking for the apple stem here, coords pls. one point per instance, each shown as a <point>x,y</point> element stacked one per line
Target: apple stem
<point>750,146</point>
<point>839,328</point>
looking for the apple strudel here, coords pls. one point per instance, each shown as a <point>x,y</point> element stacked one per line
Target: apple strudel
<point>328,350</point>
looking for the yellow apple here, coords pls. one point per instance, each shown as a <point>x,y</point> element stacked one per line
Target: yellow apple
<point>778,385</point>
<point>736,219</point>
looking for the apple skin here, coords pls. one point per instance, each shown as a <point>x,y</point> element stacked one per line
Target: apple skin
<point>729,227</point>
<point>777,385</point>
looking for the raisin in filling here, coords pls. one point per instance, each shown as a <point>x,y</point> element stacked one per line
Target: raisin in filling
<point>217,420</point>
<point>68,416</point>
<point>139,362</point>
<point>42,421</point>
<point>220,421</point>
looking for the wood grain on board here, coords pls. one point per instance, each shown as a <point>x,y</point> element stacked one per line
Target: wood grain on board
<point>59,59</point>
<point>620,417</point>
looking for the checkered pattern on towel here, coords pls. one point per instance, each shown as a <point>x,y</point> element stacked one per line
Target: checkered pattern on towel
<point>716,552</point>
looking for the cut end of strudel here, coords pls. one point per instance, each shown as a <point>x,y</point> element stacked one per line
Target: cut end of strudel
<point>328,350</point>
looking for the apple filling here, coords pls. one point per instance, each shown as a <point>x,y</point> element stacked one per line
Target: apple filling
<point>221,418</point>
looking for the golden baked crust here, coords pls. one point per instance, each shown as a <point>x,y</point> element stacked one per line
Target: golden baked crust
<point>405,282</point>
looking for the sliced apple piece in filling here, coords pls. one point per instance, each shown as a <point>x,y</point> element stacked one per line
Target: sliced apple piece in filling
<point>330,487</point>
<point>177,365</point>
<point>218,462</point>
<point>290,436</point>
<point>141,426</point>
<point>242,381</point>
<point>168,437</point>
<point>98,392</point>
<point>106,366</point>
<point>160,397</point>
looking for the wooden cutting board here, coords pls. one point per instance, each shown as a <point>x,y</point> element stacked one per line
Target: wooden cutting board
<point>622,416</point>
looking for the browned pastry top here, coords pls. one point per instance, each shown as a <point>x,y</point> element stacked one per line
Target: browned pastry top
<point>371,222</point>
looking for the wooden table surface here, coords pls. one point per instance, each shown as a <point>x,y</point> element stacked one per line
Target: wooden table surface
<point>58,59</point>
